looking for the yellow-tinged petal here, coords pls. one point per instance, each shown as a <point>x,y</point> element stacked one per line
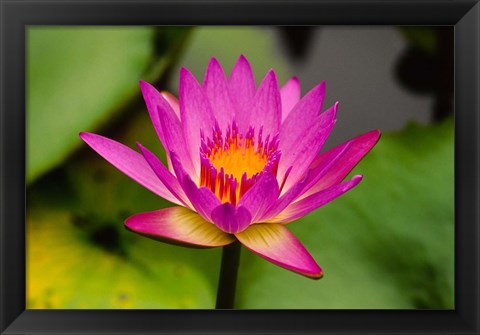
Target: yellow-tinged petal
<point>178,225</point>
<point>277,244</point>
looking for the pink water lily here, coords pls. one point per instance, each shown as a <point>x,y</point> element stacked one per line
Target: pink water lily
<point>242,162</point>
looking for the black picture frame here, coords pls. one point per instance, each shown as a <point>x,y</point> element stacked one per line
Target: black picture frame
<point>16,15</point>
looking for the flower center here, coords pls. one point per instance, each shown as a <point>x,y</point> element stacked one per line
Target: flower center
<point>230,164</point>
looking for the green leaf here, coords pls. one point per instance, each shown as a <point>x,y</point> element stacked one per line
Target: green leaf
<point>389,243</point>
<point>76,78</point>
<point>68,268</point>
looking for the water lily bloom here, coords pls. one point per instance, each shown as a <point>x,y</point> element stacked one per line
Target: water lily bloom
<point>243,161</point>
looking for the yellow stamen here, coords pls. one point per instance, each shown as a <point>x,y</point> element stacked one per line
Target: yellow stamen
<point>237,160</point>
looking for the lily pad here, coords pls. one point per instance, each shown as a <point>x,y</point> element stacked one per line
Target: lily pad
<point>67,268</point>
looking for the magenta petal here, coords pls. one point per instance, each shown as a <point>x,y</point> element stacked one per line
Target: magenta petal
<point>178,225</point>
<point>166,123</point>
<point>218,93</point>
<point>261,196</point>
<point>278,245</point>
<point>175,140</point>
<point>129,162</point>
<point>173,102</point>
<point>196,114</point>
<point>202,199</point>
<point>302,207</point>
<point>154,100</point>
<point>266,109</point>
<point>303,114</point>
<point>231,219</point>
<point>301,118</point>
<point>299,148</point>
<point>290,95</point>
<point>165,176</point>
<point>242,90</point>
<point>320,168</point>
<point>285,200</point>
<point>352,152</point>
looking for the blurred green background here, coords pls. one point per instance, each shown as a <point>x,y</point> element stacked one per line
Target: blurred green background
<point>389,243</point>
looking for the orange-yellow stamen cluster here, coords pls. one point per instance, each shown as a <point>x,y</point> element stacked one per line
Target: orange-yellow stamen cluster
<point>231,164</point>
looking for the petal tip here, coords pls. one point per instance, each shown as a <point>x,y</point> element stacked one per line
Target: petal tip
<point>316,276</point>
<point>128,224</point>
<point>213,62</point>
<point>213,70</point>
<point>243,59</point>
<point>357,179</point>
<point>331,113</point>
<point>140,146</point>
<point>88,137</point>
<point>315,272</point>
<point>271,74</point>
<point>184,72</point>
<point>144,85</point>
<point>270,80</point>
<point>241,68</point>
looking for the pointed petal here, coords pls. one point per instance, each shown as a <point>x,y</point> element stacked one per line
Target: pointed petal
<point>290,95</point>
<point>153,100</point>
<point>178,225</point>
<point>320,168</point>
<point>166,122</point>
<point>165,176</point>
<point>196,114</point>
<point>301,118</point>
<point>266,109</point>
<point>286,199</point>
<point>173,102</point>
<point>130,163</point>
<point>242,90</point>
<point>278,245</point>
<point>218,93</point>
<point>202,199</point>
<point>174,139</point>
<point>300,147</point>
<point>231,219</point>
<point>354,151</point>
<point>261,196</point>
<point>302,207</point>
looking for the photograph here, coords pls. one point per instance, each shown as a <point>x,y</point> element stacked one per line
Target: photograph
<point>240,167</point>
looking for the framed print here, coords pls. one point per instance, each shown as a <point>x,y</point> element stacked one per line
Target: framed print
<point>239,167</point>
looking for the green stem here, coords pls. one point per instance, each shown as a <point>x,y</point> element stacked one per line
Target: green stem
<point>227,282</point>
